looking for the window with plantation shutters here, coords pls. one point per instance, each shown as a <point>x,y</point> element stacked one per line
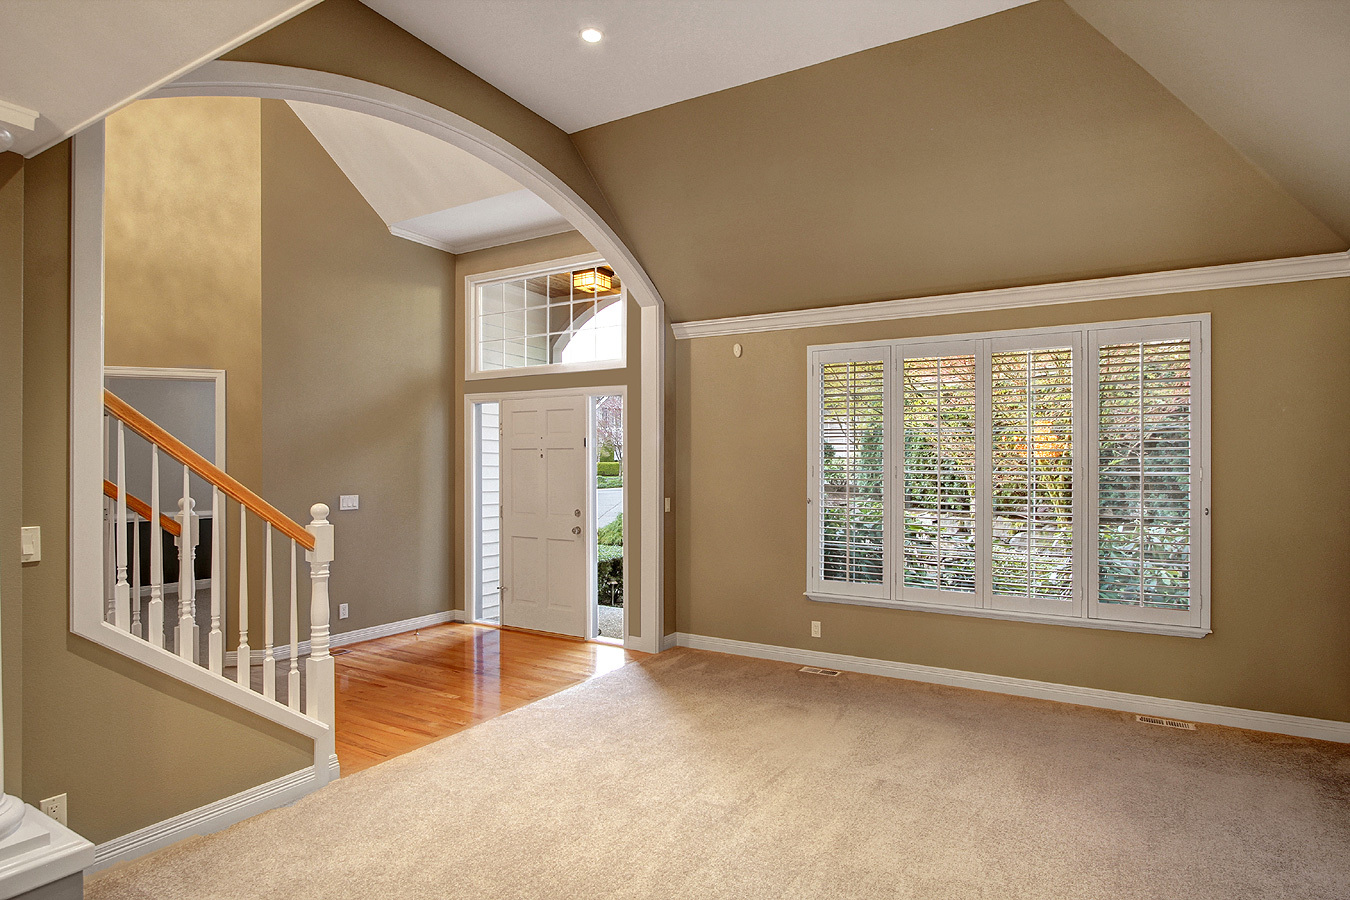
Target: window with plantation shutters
<point>1048,475</point>
<point>850,473</point>
<point>1032,450</point>
<point>1146,515</point>
<point>938,399</point>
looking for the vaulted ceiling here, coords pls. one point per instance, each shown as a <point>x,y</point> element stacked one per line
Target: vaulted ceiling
<point>770,154</point>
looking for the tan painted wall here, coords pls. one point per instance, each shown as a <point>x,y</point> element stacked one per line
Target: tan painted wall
<point>1281,501</point>
<point>541,250</point>
<point>11,459</point>
<point>183,267</point>
<point>1020,148</point>
<point>358,348</point>
<point>130,746</point>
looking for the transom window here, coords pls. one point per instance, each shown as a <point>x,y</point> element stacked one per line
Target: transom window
<point>565,316</point>
<point>1053,475</point>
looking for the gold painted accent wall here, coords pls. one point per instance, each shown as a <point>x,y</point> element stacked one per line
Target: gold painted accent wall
<point>1019,148</point>
<point>183,269</point>
<point>1280,492</point>
<point>129,745</point>
<point>358,332</point>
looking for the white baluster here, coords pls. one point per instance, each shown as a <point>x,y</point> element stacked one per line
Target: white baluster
<point>215,640</point>
<point>156,624</point>
<point>269,666</point>
<point>137,626</point>
<point>109,558</point>
<point>121,591</point>
<point>319,702</point>
<point>293,678</point>
<point>186,639</point>
<point>243,659</point>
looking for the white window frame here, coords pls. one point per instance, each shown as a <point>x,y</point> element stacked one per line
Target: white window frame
<point>815,577</point>
<point>473,283</point>
<point>1085,611</point>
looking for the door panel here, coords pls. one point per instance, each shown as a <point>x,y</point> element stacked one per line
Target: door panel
<point>544,477</point>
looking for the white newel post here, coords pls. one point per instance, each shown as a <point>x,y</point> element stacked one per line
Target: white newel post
<point>319,668</point>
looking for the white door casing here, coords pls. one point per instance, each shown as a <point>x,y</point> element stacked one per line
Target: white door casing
<point>544,512</point>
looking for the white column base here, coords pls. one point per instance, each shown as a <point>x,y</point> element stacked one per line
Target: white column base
<point>39,852</point>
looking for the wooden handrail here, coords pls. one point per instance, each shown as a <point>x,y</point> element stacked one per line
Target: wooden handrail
<point>227,483</point>
<point>142,509</point>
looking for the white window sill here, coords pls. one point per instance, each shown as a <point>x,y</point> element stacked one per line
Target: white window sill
<point>550,369</point>
<point>1189,631</point>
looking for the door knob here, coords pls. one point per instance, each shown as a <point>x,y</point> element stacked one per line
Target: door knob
<point>576,529</point>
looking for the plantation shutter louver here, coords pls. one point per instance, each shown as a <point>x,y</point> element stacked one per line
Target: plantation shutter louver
<point>1145,503</point>
<point>851,475</point>
<point>1032,475</point>
<point>938,396</point>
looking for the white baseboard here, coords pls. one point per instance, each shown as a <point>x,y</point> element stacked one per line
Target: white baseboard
<point>1256,720</point>
<point>212,817</point>
<point>669,640</point>
<point>360,634</point>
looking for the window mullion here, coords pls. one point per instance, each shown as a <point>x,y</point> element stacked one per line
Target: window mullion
<point>984,480</point>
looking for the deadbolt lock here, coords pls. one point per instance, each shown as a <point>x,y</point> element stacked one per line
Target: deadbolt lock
<point>577,513</point>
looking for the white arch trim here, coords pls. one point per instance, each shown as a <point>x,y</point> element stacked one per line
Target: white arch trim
<point>244,79</point>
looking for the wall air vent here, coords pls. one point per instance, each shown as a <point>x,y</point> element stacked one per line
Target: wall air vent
<point>1166,723</point>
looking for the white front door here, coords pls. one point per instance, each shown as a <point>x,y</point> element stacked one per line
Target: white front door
<point>544,516</point>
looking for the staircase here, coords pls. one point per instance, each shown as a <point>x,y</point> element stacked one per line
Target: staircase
<point>183,627</point>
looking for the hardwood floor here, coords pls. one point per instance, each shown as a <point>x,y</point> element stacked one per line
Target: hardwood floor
<point>402,692</point>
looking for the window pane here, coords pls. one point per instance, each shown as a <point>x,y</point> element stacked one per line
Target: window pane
<point>1032,444</point>
<point>939,402</point>
<point>1144,474</point>
<point>852,472</point>
<point>532,321</point>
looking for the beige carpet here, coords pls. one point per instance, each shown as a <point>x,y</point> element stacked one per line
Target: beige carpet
<point>694,775</point>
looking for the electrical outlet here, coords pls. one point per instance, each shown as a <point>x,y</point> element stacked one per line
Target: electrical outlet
<point>55,808</point>
<point>342,610</point>
<point>815,629</point>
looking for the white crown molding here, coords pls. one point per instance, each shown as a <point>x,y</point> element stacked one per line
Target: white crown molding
<point>355,637</point>
<point>215,816</point>
<point>515,237</point>
<point>18,116</point>
<point>401,232</point>
<point>1176,281</point>
<point>1231,716</point>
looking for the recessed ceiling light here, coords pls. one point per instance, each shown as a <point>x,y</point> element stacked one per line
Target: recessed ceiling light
<point>591,35</point>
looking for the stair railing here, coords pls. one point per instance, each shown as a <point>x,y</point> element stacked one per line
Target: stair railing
<point>124,566</point>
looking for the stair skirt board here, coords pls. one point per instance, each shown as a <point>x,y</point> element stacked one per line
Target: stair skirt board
<point>283,651</point>
<point>212,817</point>
<point>1229,716</point>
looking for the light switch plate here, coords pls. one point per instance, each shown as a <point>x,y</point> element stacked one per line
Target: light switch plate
<point>349,501</point>
<point>30,539</point>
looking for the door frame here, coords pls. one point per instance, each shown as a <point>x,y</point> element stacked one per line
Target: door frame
<point>217,376</point>
<point>472,516</point>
